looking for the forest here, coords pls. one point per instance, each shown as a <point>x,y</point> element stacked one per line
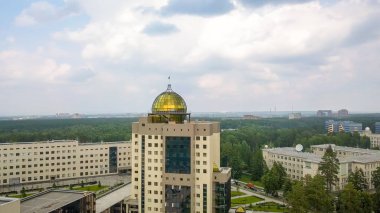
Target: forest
<point>241,140</point>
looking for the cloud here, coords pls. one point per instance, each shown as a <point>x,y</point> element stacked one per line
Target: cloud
<point>38,68</point>
<point>260,3</point>
<point>244,58</point>
<point>364,31</point>
<point>43,11</point>
<point>197,7</point>
<point>159,28</point>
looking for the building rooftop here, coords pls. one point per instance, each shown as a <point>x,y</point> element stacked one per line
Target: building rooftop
<point>347,149</point>
<point>113,197</point>
<point>65,141</point>
<point>37,142</point>
<point>49,200</point>
<point>368,155</point>
<point>4,200</point>
<point>290,151</point>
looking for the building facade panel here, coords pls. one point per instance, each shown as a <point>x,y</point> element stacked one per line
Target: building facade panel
<point>57,160</point>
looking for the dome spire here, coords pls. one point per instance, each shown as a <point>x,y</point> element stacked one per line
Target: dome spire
<point>169,89</point>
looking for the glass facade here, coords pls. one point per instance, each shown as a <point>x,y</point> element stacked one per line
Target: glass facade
<point>223,197</point>
<point>204,198</point>
<point>177,155</point>
<point>177,199</point>
<point>112,159</point>
<point>143,174</point>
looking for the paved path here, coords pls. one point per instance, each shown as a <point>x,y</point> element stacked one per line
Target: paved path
<point>251,193</point>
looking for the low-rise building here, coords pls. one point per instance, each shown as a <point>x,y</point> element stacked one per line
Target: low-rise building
<point>9,205</point>
<point>298,164</point>
<point>58,201</point>
<point>377,127</point>
<point>29,162</point>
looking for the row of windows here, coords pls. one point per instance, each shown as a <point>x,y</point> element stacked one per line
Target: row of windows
<point>36,165</point>
<point>35,147</point>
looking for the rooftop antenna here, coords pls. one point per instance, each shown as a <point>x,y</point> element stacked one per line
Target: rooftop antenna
<point>299,147</point>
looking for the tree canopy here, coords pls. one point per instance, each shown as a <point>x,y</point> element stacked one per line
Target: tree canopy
<point>329,168</point>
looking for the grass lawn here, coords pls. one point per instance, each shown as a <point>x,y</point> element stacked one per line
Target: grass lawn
<point>269,207</point>
<point>92,188</point>
<point>236,193</point>
<point>246,178</point>
<point>245,200</point>
<point>19,195</point>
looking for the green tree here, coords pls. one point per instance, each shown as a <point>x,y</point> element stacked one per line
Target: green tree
<point>329,167</point>
<point>23,192</point>
<point>376,202</point>
<point>358,180</point>
<point>273,179</point>
<point>376,195</point>
<point>99,184</point>
<point>349,200</point>
<point>376,179</point>
<point>318,199</point>
<point>365,202</point>
<point>81,183</point>
<point>287,187</point>
<point>296,198</point>
<point>257,168</point>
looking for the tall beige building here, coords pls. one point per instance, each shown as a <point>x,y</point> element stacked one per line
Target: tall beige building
<point>30,162</point>
<point>298,164</point>
<point>176,161</point>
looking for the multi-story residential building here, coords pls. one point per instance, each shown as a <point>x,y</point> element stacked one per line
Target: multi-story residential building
<point>299,164</point>
<point>176,161</point>
<point>324,113</point>
<point>377,127</point>
<point>373,137</point>
<point>342,113</point>
<point>342,126</point>
<point>294,116</point>
<point>30,162</point>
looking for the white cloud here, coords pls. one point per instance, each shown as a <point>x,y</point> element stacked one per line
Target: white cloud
<point>43,11</point>
<point>246,59</point>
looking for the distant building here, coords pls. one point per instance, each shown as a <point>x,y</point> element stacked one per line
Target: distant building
<point>294,116</point>
<point>373,137</point>
<point>332,126</point>
<point>251,117</point>
<point>377,127</point>
<point>28,162</point>
<point>324,113</point>
<point>298,164</point>
<point>343,113</point>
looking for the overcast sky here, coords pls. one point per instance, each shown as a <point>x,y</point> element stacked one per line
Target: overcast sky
<point>96,56</point>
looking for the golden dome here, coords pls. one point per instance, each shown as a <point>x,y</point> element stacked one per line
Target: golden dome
<point>169,102</point>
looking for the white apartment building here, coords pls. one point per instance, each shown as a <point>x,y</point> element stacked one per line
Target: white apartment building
<point>373,137</point>
<point>28,162</point>
<point>299,164</point>
<point>176,162</point>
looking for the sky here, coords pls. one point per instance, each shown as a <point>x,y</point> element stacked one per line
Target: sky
<point>115,56</point>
